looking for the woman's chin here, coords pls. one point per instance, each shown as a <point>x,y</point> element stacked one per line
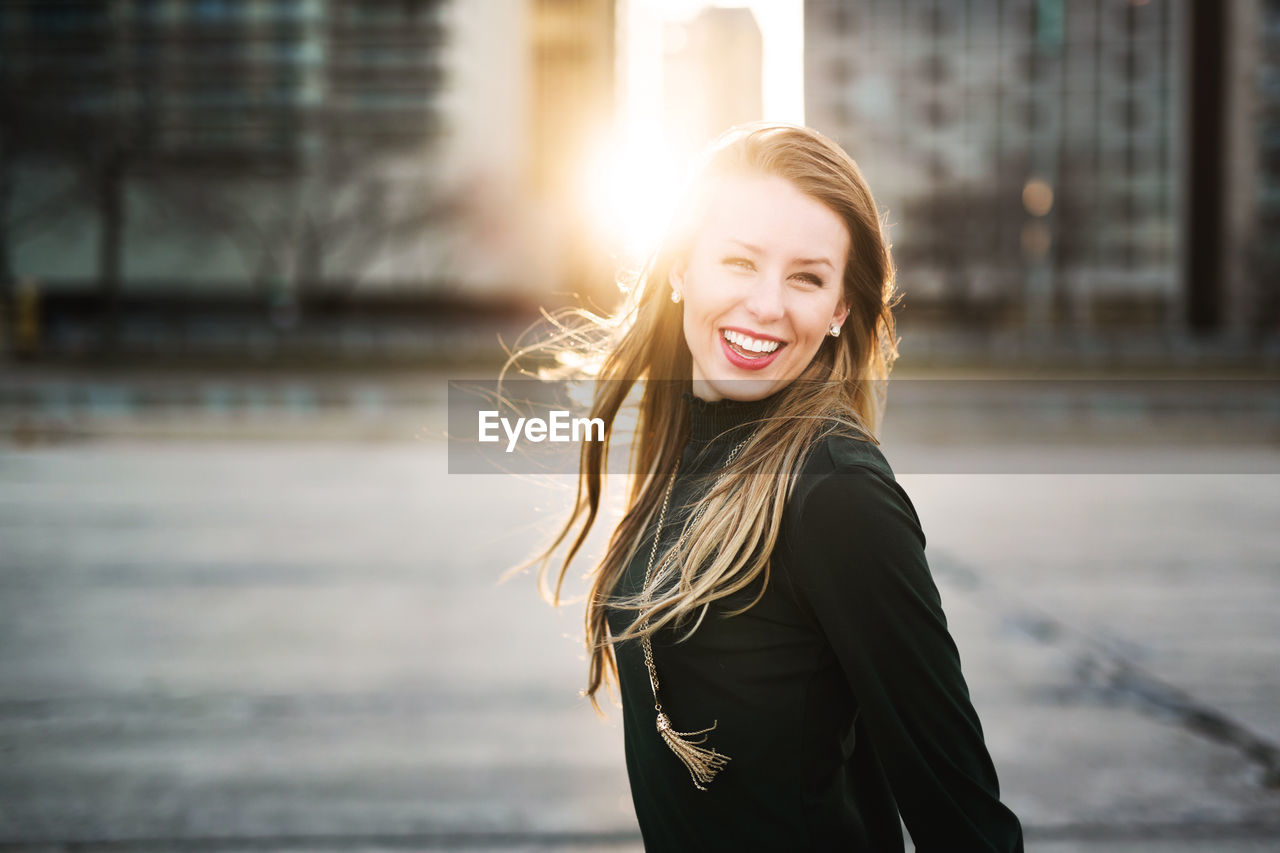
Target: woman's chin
<point>734,388</point>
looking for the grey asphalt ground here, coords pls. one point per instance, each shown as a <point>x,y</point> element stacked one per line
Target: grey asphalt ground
<point>281,630</point>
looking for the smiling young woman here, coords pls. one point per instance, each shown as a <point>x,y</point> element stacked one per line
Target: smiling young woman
<point>761,287</point>
<point>787,678</point>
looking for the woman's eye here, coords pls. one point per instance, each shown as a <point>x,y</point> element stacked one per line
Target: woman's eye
<point>746,264</point>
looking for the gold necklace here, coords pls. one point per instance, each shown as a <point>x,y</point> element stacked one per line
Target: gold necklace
<point>703,762</point>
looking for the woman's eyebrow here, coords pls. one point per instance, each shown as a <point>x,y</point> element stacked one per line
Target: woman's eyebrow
<point>805,261</point>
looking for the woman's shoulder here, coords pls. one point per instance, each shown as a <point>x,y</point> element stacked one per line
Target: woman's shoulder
<point>852,473</point>
<point>844,452</point>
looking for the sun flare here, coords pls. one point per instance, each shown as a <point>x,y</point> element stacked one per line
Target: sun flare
<point>631,180</point>
<point>630,187</point>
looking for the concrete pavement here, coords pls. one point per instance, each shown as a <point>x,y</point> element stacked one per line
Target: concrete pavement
<point>299,644</point>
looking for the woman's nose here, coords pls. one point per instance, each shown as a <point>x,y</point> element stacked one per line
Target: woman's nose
<point>765,299</point>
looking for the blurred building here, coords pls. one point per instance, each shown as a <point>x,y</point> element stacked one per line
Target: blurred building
<point>262,81</point>
<point>221,145</point>
<point>1250,260</point>
<point>1030,153</point>
<point>571,112</point>
<point>171,164</point>
<point>956,111</point>
<point>384,71</point>
<point>1265,243</point>
<point>712,76</point>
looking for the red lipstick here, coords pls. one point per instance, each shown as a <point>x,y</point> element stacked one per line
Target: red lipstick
<point>746,362</point>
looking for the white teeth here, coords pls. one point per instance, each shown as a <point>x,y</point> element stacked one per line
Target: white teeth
<point>748,343</point>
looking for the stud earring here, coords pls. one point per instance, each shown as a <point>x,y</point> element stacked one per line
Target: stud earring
<point>675,296</point>
<point>834,331</point>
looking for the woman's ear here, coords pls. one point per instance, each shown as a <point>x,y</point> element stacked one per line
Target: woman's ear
<point>675,276</point>
<point>841,314</point>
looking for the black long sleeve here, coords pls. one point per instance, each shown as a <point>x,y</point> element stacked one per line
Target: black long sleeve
<point>838,696</point>
<point>858,557</point>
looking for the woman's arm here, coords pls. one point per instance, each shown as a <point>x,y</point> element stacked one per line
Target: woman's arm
<point>859,560</point>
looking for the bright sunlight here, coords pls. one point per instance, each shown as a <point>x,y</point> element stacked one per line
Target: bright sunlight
<point>630,183</point>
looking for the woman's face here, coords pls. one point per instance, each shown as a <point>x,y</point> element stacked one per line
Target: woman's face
<point>762,284</point>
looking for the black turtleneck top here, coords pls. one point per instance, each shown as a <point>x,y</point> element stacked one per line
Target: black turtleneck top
<point>838,697</point>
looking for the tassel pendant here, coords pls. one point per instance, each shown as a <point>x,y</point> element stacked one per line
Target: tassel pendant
<point>703,763</point>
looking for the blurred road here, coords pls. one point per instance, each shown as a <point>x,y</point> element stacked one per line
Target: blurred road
<point>282,631</point>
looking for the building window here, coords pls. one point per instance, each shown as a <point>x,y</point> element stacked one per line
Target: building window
<point>212,10</point>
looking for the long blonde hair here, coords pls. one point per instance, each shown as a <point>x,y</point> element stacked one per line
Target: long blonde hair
<point>843,388</point>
